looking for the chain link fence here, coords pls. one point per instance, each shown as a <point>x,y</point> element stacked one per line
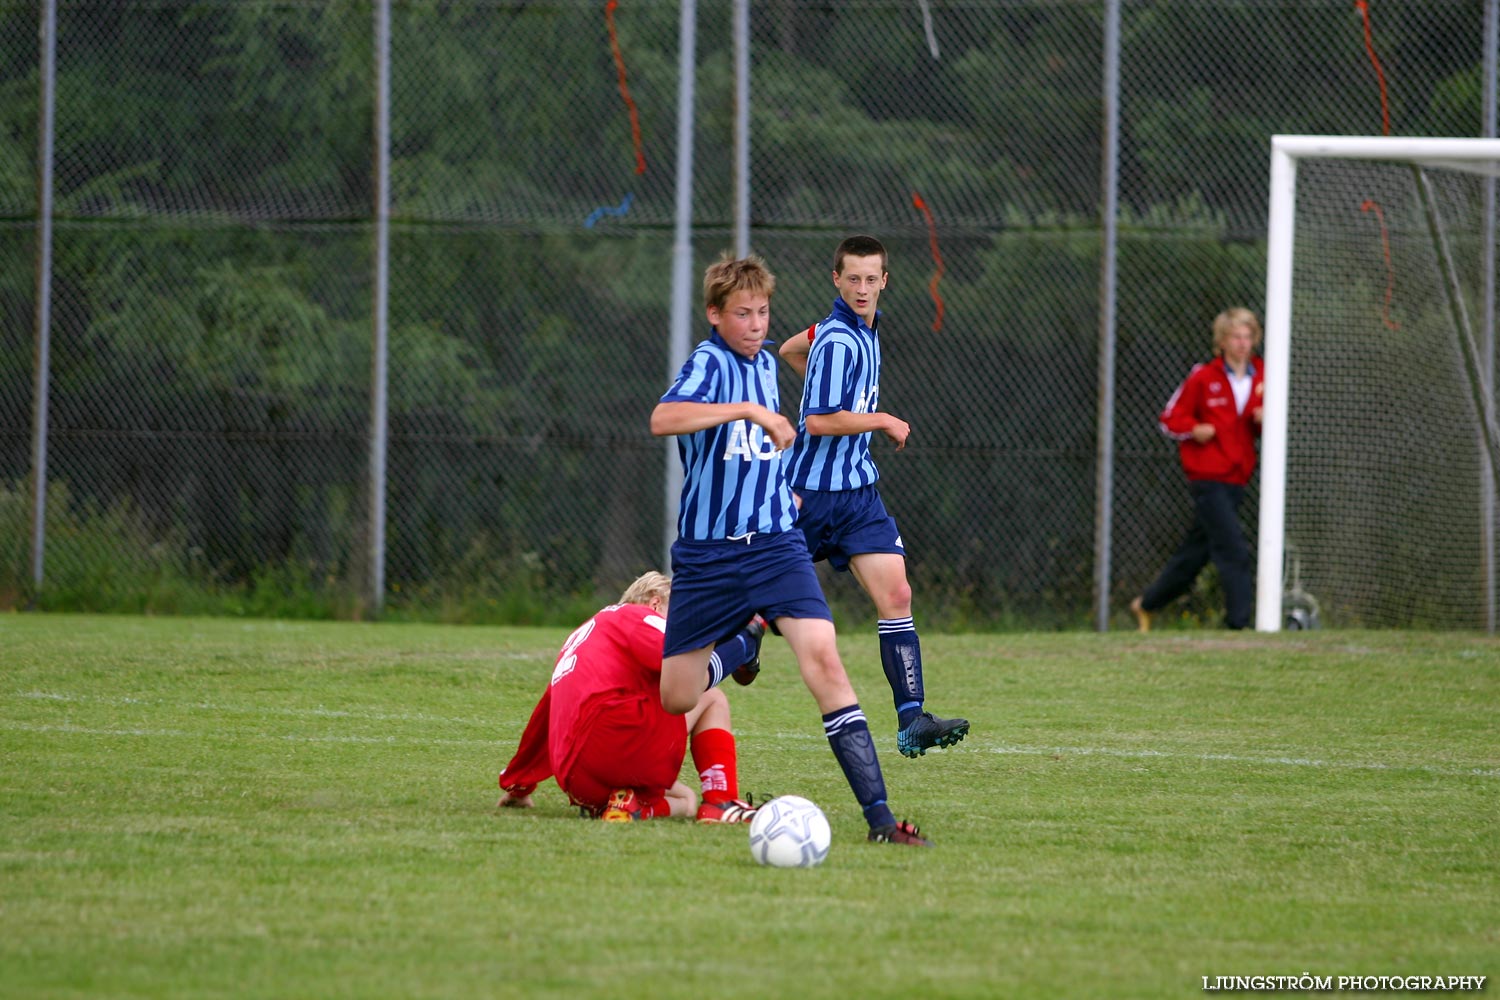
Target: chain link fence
<point>213,262</point>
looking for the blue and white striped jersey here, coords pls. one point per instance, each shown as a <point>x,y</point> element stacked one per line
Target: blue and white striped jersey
<point>843,373</point>
<point>732,477</point>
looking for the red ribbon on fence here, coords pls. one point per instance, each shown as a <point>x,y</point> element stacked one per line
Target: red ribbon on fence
<point>937,257</point>
<point>635,119</point>
<point>1371,205</point>
<point>1363,7</point>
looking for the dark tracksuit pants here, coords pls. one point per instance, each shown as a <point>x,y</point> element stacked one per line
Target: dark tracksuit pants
<point>1215,535</point>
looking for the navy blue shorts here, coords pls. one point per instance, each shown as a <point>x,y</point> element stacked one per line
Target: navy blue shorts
<point>843,523</point>
<point>718,585</point>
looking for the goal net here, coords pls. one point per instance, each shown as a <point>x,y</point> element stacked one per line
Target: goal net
<point>1378,447</point>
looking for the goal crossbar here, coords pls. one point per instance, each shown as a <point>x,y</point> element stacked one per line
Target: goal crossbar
<point>1480,155</point>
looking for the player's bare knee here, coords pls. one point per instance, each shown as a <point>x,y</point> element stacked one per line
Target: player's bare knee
<point>677,701</point>
<point>683,678</point>
<point>894,601</point>
<point>676,706</point>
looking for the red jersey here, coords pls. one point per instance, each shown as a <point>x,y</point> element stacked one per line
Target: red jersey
<point>612,659</point>
<point>1206,397</point>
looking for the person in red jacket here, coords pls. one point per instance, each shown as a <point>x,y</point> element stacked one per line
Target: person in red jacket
<point>1214,417</point>
<point>600,727</point>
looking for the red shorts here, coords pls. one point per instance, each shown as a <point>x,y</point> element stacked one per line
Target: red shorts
<point>634,744</point>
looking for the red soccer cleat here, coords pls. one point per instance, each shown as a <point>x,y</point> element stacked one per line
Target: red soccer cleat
<point>732,811</point>
<point>623,807</point>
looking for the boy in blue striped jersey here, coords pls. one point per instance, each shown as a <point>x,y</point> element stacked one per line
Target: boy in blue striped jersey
<point>833,476</point>
<point>737,552</point>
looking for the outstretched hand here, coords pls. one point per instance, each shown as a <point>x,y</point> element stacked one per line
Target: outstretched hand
<point>509,801</point>
<point>898,431</point>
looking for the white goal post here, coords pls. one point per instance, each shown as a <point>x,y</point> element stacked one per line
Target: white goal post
<point>1469,155</point>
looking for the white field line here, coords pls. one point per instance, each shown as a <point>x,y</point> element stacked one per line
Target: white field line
<point>1056,751</point>
<point>1479,772</point>
<point>22,727</point>
<point>207,706</point>
<point>496,724</point>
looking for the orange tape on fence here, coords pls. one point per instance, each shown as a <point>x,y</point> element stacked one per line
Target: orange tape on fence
<point>1371,205</point>
<point>1363,7</point>
<point>937,258</point>
<point>635,118</point>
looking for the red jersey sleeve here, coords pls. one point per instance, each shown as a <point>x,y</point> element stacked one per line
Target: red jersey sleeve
<point>532,763</point>
<point>646,637</point>
<point>1181,412</point>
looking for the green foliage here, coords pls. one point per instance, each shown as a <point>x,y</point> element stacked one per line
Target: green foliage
<point>199,807</point>
<point>111,559</point>
<point>114,560</point>
<point>213,276</point>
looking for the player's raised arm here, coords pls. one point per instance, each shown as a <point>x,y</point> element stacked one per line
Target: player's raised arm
<point>796,347</point>
<point>673,418</point>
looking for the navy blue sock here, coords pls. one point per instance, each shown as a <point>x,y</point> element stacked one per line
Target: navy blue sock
<point>849,735</point>
<point>727,656</point>
<point>901,657</point>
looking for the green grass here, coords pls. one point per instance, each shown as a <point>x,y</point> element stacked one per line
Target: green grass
<point>217,808</point>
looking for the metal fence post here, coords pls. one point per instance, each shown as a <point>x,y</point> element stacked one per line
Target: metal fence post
<point>682,253</point>
<point>1487,320</point>
<point>742,127</point>
<point>42,364</point>
<point>378,373</point>
<point>1104,446</point>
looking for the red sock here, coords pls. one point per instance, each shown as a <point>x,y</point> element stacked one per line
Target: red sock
<point>714,757</point>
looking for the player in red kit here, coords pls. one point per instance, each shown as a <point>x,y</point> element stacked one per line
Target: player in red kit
<point>1214,417</point>
<point>601,730</point>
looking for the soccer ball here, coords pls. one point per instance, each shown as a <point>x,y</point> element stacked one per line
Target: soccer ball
<point>789,832</point>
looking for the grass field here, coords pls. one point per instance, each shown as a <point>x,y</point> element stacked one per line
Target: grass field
<point>216,808</point>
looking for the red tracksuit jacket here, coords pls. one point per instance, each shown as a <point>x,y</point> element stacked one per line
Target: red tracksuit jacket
<point>1206,398</point>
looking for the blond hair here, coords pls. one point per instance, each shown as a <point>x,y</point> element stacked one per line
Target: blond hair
<point>1231,318</point>
<point>730,274</point>
<point>646,587</point>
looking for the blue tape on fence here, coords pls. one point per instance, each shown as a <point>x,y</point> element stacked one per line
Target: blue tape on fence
<point>604,210</point>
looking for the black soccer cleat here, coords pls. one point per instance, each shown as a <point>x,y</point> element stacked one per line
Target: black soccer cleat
<point>746,672</point>
<point>899,833</point>
<point>927,731</point>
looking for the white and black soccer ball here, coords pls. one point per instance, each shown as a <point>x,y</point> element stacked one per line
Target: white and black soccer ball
<point>1300,615</point>
<point>1300,620</point>
<point>790,832</point>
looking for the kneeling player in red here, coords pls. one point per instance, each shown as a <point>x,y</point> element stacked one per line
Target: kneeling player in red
<point>600,727</point>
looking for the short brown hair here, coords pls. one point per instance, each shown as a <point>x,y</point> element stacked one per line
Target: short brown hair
<point>860,246</point>
<point>645,587</point>
<point>730,274</point>
<point>1231,318</point>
